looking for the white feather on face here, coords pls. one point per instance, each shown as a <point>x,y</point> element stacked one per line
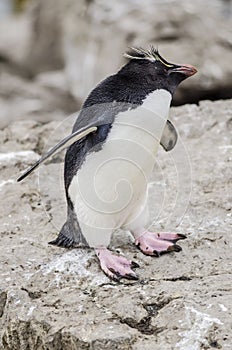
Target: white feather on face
<point>111,186</point>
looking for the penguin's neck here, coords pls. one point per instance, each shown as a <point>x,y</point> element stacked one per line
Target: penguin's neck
<point>158,102</point>
<point>145,123</point>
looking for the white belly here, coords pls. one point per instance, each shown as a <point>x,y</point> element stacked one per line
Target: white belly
<point>112,183</point>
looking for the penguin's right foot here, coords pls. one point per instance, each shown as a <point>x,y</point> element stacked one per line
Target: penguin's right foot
<point>116,266</point>
<point>156,244</point>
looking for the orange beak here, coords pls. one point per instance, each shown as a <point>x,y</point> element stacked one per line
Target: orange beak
<point>185,69</point>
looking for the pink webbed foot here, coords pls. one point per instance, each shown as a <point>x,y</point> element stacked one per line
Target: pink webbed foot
<point>155,244</point>
<point>116,266</point>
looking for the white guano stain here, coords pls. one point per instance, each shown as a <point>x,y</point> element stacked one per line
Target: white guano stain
<point>73,263</point>
<point>222,307</point>
<point>31,309</point>
<point>3,183</point>
<point>197,325</point>
<point>26,155</point>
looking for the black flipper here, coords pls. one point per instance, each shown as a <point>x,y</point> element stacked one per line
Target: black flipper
<point>169,137</point>
<point>70,235</point>
<point>66,142</point>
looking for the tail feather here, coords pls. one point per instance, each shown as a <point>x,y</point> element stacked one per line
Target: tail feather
<point>63,241</point>
<point>70,235</point>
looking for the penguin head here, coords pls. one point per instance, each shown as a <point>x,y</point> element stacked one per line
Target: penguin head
<point>153,71</point>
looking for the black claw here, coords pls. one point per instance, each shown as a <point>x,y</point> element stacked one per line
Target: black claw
<point>52,242</point>
<point>131,276</point>
<point>114,278</point>
<point>116,275</point>
<point>177,248</point>
<point>114,272</point>
<point>134,265</point>
<point>156,253</point>
<point>167,251</point>
<point>62,241</point>
<point>181,236</point>
<point>171,248</point>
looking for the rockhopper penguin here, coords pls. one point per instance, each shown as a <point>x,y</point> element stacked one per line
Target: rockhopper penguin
<point>110,158</point>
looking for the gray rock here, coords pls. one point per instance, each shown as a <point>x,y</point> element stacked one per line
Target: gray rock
<point>89,37</point>
<point>44,99</point>
<point>53,54</point>
<point>53,298</point>
<point>15,40</point>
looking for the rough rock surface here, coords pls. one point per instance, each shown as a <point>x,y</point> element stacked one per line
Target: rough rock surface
<point>52,298</point>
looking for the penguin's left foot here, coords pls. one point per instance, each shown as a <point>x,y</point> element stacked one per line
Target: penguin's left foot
<point>116,266</point>
<point>156,244</point>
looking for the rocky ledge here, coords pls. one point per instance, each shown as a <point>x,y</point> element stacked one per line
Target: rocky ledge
<point>52,298</point>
